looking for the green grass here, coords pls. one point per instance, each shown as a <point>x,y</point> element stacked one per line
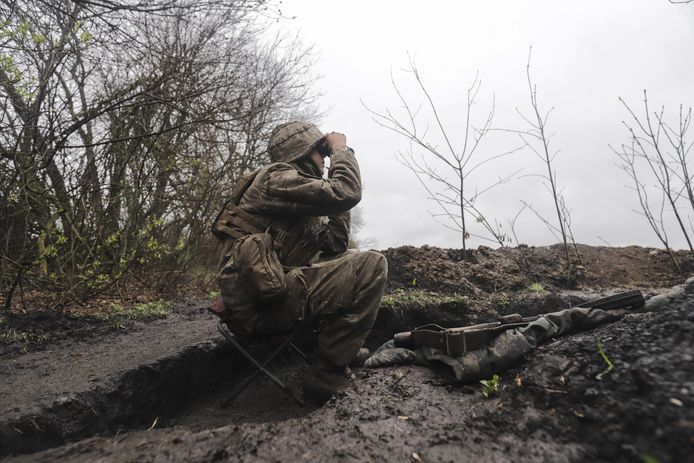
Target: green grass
<point>150,310</point>
<point>503,299</point>
<point>420,298</point>
<point>26,338</point>
<point>117,315</point>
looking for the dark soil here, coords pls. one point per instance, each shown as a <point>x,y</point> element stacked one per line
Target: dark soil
<point>34,331</point>
<point>171,375</point>
<point>487,270</point>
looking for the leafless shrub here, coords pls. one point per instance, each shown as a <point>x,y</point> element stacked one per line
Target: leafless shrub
<point>658,151</point>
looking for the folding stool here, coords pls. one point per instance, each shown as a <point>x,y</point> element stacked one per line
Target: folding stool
<point>233,331</point>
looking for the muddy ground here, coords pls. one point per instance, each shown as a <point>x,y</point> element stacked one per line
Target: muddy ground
<point>151,391</point>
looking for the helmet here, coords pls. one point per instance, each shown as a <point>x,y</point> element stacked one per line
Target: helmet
<point>293,140</point>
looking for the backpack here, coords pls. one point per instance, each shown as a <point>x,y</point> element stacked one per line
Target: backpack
<point>226,223</point>
<point>253,252</point>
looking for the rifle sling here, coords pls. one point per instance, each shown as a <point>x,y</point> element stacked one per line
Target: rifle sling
<point>457,342</point>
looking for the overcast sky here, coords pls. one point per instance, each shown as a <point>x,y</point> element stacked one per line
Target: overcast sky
<point>585,55</point>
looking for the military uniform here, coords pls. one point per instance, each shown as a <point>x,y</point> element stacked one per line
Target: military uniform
<point>308,217</point>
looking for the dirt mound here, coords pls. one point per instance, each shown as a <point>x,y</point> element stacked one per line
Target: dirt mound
<point>470,286</point>
<point>509,269</point>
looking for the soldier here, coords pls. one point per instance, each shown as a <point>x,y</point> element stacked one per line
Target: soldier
<point>307,218</point>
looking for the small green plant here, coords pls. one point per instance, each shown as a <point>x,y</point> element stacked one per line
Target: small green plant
<point>213,294</point>
<point>149,310</point>
<point>504,299</point>
<point>536,288</point>
<point>490,387</point>
<point>649,458</point>
<point>609,363</point>
<point>117,314</point>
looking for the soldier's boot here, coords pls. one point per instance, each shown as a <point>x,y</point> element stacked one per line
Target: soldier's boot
<point>325,381</point>
<point>361,357</point>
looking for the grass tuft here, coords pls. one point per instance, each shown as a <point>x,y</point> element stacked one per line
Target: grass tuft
<point>117,315</point>
<point>536,288</point>
<point>28,339</point>
<point>416,297</point>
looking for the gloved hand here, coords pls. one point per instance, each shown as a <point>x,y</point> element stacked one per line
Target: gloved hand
<point>336,141</point>
<point>388,355</point>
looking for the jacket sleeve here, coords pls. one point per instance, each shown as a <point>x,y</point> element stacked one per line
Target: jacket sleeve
<point>283,190</point>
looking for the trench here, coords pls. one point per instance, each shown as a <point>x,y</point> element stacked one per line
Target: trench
<point>185,390</point>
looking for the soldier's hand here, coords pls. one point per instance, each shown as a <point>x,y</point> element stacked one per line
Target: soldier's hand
<point>336,141</point>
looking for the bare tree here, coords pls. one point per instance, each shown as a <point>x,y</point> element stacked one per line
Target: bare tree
<point>445,171</point>
<point>538,140</point>
<point>654,217</point>
<point>659,151</point>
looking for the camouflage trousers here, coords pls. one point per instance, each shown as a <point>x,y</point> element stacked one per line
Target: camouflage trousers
<point>342,293</point>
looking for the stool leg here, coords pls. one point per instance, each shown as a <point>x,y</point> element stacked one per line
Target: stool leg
<point>260,367</point>
<point>249,379</point>
<point>293,347</point>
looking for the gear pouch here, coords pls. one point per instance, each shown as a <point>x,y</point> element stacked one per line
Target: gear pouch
<point>260,270</point>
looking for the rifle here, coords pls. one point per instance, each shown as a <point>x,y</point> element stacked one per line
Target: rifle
<point>457,341</point>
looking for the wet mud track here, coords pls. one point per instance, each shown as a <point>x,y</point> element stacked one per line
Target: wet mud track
<point>550,407</point>
<point>116,381</point>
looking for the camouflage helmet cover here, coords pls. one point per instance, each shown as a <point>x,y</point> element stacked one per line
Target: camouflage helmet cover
<point>293,140</point>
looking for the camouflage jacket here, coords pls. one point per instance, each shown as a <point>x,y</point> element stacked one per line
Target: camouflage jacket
<point>310,213</point>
